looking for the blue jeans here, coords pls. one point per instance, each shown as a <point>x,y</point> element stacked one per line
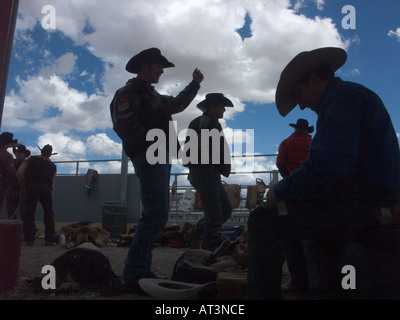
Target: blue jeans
<point>154,191</point>
<point>327,225</point>
<point>214,199</point>
<point>38,192</point>
<point>294,252</point>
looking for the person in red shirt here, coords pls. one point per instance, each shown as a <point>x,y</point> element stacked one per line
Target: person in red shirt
<point>292,151</point>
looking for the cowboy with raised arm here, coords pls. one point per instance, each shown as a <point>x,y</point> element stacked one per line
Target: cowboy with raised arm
<point>137,109</point>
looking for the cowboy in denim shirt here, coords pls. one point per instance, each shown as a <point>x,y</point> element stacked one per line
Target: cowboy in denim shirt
<point>353,170</point>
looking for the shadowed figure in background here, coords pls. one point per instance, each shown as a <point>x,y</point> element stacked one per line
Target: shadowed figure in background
<point>40,181</point>
<point>291,153</point>
<point>7,169</point>
<point>16,198</point>
<point>206,168</point>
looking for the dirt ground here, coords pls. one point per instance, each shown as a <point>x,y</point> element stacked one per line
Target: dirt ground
<point>32,260</point>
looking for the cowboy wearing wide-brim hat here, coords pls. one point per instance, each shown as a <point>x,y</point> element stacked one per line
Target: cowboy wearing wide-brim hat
<point>16,195</point>
<point>147,56</point>
<point>294,149</point>
<point>136,110</point>
<point>206,166</point>
<point>339,190</point>
<point>300,66</point>
<point>213,107</point>
<point>7,138</point>
<point>40,182</point>
<point>47,151</point>
<point>214,99</point>
<point>20,148</point>
<point>302,124</point>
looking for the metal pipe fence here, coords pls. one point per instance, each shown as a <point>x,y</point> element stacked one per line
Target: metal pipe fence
<point>78,170</point>
<point>177,215</point>
<point>240,214</point>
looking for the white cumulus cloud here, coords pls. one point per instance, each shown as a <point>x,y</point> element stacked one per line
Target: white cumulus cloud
<point>189,33</point>
<point>395,34</point>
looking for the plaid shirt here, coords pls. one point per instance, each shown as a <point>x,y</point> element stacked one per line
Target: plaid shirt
<point>354,148</point>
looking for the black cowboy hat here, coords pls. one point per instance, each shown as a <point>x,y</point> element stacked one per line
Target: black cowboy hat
<point>47,150</point>
<point>6,138</point>
<point>152,54</point>
<point>21,148</point>
<point>302,124</point>
<point>212,98</point>
<point>298,67</point>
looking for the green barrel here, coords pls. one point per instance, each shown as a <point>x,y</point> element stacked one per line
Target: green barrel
<point>115,218</point>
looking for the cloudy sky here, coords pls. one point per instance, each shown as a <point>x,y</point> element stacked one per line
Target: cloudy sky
<point>69,59</point>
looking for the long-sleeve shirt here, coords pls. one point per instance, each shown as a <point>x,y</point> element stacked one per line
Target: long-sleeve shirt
<point>138,108</point>
<point>354,148</point>
<point>7,168</point>
<point>293,150</point>
<point>210,152</point>
<point>41,169</point>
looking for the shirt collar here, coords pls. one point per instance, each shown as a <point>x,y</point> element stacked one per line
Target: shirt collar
<point>147,85</point>
<point>332,84</point>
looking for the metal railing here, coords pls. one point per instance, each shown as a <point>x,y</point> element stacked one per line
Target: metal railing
<point>78,162</point>
<point>239,214</point>
<point>179,216</point>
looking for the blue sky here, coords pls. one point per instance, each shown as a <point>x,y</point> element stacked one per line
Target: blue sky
<point>62,80</point>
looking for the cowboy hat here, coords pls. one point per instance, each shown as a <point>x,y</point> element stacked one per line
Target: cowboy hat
<point>212,98</point>
<point>302,124</point>
<point>301,65</point>
<point>47,150</point>
<point>152,54</point>
<point>21,148</point>
<point>6,138</point>
<point>171,290</point>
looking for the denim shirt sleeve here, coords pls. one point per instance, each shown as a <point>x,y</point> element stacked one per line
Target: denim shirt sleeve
<point>334,149</point>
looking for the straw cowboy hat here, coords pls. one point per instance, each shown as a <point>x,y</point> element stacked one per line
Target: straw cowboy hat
<point>300,65</point>
<point>302,124</point>
<point>6,138</point>
<point>22,148</point>
<point>171,290</point>
<point>152,54</point>
<point>212,98</point>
